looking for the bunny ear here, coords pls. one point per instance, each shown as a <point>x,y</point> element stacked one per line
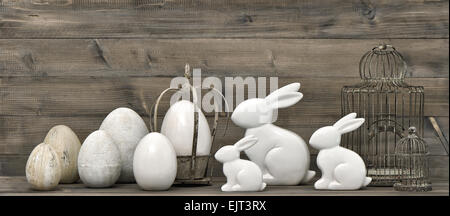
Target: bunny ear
<point>350,125</point>
<point>345,119</point>
<point>284,100</point>
<point>293,87</point>
<point>284,97</point>
<point>246,142</point>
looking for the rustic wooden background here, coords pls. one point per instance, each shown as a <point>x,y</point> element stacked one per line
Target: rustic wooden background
<point>73,61</point>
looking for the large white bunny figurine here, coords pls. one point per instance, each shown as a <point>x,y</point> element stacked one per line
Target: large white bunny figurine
<point>281,154</point>
<point>242,175</point>
<point>342,169</point>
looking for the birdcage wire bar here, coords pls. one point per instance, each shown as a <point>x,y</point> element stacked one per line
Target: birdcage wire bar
<point>388,104</point>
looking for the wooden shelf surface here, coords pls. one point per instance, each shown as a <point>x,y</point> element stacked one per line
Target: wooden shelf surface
<point>18,186</point>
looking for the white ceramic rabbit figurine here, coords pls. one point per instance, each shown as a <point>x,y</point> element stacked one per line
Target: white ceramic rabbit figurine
<point>282,155</point>
<point>342,169</point>
<point>242,175</point>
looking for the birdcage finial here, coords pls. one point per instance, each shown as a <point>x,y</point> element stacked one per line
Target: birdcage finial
<point>383,46</point>
<point>411,130</point>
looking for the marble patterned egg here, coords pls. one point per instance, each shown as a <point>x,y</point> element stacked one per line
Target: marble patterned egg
<point>67,145</point>
<point>178,127</point>
<point>43,168</point>
<point>155,162</point>
<point>126,128</point>
<point>99,161</point>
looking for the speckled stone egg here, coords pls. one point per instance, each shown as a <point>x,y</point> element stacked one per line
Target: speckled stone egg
<point>99,161</point>
<point>126,128</point>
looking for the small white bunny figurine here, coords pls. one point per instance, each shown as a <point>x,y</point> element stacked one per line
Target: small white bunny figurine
<point>282,155</point>
<point>242,175</point>
<point>342,169</point>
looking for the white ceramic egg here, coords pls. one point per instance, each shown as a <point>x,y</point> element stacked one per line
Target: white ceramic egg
<point>43,169</point>
<point>155,162</point>
<point>67,145</point>
<point>99,161</point>
<point>178,127</point>
<point>126,128</point>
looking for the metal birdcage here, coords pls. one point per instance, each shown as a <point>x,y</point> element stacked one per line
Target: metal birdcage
<point>412,163</point>
<point>389,106</point>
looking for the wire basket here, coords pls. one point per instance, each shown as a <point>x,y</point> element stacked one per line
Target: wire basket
<point>191,169</point>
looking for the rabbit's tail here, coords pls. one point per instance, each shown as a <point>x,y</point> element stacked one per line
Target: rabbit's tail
<point>263,185</point>
<point>367,181</point>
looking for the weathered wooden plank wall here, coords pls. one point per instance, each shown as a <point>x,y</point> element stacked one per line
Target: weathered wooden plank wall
<point>224,19</point>
<point>427,58</point>
<point>73,61</point>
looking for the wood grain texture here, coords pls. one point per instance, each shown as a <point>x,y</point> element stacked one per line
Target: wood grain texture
<point>231,57</point>
<point>439,167</point>
<point>90,96</point>
<point>223,19</point>
<point>17,186</point>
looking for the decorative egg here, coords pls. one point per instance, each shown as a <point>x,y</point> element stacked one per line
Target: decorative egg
<point>67,145</point>
<point>126,128</point>
<point>155,162</point>
<point>178,127</point>
<point>43,169</point>
<point>99,161</point>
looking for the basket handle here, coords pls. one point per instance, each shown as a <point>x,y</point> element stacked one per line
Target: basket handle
<point>154,110</point>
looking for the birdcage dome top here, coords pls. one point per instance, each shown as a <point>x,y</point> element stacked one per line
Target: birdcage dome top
<point>383,63</point>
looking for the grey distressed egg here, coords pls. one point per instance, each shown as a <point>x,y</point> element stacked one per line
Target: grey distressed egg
<point>43,168</point>
<point>126,128</point>
<point>99,161</point>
